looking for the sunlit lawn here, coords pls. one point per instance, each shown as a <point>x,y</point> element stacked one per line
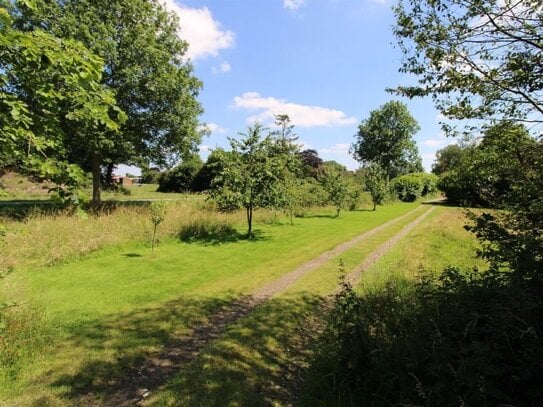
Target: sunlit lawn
<point>97,316</point>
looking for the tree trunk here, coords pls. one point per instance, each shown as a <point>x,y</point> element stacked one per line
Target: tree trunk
<point>250,221</point>
<point>338,208</point>
<point>108,179</point>
<point>374,205</point>
<point>96,180</point>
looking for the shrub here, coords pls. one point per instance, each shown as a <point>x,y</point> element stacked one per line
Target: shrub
<point>180,178</point>
<point>464,338</point>
<point>408,187</point>
<point>429,182</point>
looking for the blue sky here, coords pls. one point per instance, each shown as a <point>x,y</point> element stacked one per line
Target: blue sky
<point>325,63</point>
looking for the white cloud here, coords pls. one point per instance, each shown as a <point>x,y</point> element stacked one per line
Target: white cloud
<point>205,35</point>
<point>433,143</point>
<point>300,115</point>
<point>214,128</point>
<point>224,67</point>
<point>293,4</point>
<point>203,148</point>
<point>336,149</point>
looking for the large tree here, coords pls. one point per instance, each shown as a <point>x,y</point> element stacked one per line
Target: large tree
<point>145,67</point>
<point>386,138</point>
<point>477,58</point>
<point>49,90</point>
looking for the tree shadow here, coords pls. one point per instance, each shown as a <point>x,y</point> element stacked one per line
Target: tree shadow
<point>320,216</point>
<point>21,209</point>
<point>268,352</point>
<point>195,350</point>
<point>217,234</point>
<point>117,354</point>
<point>132,255</point>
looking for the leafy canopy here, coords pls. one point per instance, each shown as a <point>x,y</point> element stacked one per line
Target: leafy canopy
<point>386,138</point>
<point>477,58</point>
<point>50,89</point>
<point>143,64</point>
<point>251,172</point>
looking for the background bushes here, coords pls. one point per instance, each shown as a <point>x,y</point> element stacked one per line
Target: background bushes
<point>410,187</point>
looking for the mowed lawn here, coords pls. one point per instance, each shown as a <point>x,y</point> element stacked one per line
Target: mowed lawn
<point>270,351</point>
<point>84,322</point>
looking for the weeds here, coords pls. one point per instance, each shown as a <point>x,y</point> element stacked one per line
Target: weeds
<point>464,338</point>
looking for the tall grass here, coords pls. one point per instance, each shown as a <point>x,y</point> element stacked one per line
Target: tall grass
<point>44,239</point>
<point>420,332</point>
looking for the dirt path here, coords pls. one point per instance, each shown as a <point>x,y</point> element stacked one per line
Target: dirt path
<point>148,377</point>
<point>354,276</point>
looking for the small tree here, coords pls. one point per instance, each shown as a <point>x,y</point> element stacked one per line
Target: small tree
<point>250,174</point>
<point>158,214</point>
<point>376,184</point>
<point>337,187</point>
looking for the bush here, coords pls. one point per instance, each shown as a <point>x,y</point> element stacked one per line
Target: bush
<point>460,339</point>
<point>180,178</point>
<point>460,188</point>
<point>429,182</point>
<point>408,187</point>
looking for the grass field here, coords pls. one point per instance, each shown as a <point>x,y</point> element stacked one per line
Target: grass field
<point>15,187</point>
<point>270,350</point>
<point>107,303</point>
<point>81,323</point>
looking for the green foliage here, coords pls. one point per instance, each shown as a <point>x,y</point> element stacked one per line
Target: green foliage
<point>342,192</point>
<point>181,177</point>
<point>375,183</point>
<point>386,138</point>
<point>408,187</point>
<point>250,174</point>
<point>476,58</point>
<point>210,170</point>
<point>150,175</point>
<point>477,180</point>
<point>50,94</point>
<point>144,66</point>
<point>459,338</point>
<point>447,159</point>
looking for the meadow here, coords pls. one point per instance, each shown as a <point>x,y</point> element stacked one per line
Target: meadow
<point>92,300</point>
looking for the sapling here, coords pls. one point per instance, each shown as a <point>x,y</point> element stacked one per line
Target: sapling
<point>158,213</point>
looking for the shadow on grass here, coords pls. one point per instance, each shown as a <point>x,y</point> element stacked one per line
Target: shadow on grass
<point>216,234</point>
<point>319,216</point>
<point>21,209</point>
<point>208,347</point>
<point>114,356</point>
<point>132,255</point>
<point>260,361</point>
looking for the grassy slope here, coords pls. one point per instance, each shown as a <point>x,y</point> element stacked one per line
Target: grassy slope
<point>440,243</point>
<point>102,313</point>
